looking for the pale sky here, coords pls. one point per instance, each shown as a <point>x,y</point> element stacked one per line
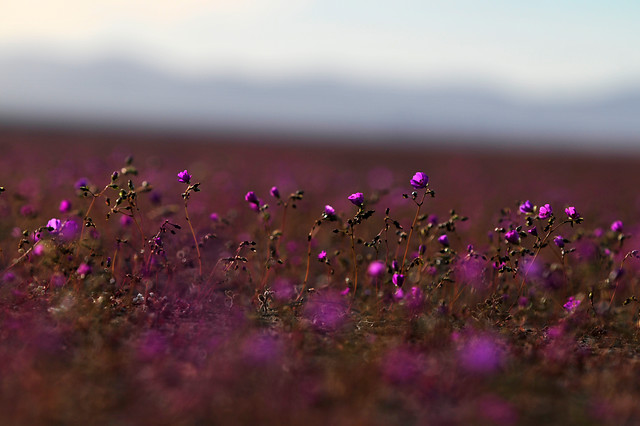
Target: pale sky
<point>538,48</point>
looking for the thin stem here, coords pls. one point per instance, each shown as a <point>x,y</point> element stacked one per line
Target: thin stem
<point>535,256</point>
<point>355,263</point>
<point>306,274</point>
<point>277,249</point>
<point>195,240</point>
<point>613,295</point>
<point>86,216</point>
<point>413,224</point>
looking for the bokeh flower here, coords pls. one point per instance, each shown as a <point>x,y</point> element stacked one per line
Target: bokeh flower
<point>275,193</point>
<point>444,240</point>
<point>65,206</point>
<point>54,225</point>
<point>376,268</point>
<point>617,226</point>
<point>83,269</point>
<point>572,304</point>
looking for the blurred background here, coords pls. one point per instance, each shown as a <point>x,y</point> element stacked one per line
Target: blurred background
<point>545,74</point>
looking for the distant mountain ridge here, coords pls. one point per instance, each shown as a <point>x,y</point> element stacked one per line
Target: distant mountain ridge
<point>122,92</point>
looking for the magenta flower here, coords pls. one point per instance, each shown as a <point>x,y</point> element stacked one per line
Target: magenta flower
<point>357,198</point>
<point>125,221</point>
<point>399,294</point>
<point>184,177</point>
<point>398,279</point>
<point>214,217</point>
<point>83,269</point>
<point>253,201</point>
<point>572,213</point>
<point>617,226</point>
<point>559,241</point>
<point>65,206</point>
<point>275,193</point>
<point>572,304</point>
<point>252,198</point>
<point>69,229</point>
<point>444,240</point>
<point>82,182</point>
<point>54,225</point>
<point>512,237</point>
<point>545,211</point>
<point>376,268</point>
<point>533,231</point>
<point>481,354</point>
<point>419,180</point>
<point>329,212</point>
<point>322,256</point>
<point>526,207</point>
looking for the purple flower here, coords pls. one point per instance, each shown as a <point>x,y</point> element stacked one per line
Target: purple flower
<point>253,201</point>
<point>38,250</point>
<point>69,229</point>
<point>617,226</point>
<point>83,269</point>
<point>27,210</point>
<point>125,220</point>
<point>252,198</point>
<point>533,231</point>
<point>394,265</point>
<point>54,225</point>
<point>184,177</point>
<point>274,192</point>
<point>526,207</point>
<point>398,279</point>
<point>322,256</point>
<point>512,237</point>
<point>399,294</point>
<point>357,198</point>
<point>571,212</point>
<point>481,354</point>
<point>376,268</point>
<point>65,206</point>
<point>559,241</point>
<point>444,240</point>
<point>415,300</point>
<point>345,291</point>
<point>329,212</point>
<point>545,211</point>
<point>419,180</point>
<point>81,183</point>
<point>214,217</point>
<point>572,304</point>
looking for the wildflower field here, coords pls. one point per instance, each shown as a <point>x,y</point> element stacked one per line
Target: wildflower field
<point>166,280</point>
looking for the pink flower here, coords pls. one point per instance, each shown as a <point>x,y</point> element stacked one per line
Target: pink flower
<point>545,211</point>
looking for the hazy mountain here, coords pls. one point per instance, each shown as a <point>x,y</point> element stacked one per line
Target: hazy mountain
<point>115,91</point>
